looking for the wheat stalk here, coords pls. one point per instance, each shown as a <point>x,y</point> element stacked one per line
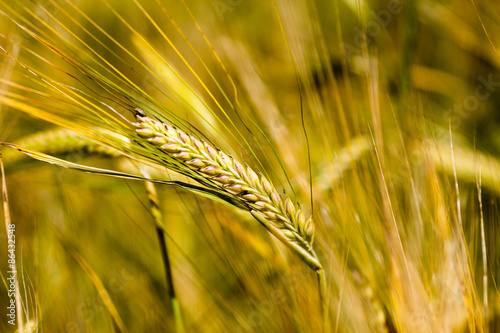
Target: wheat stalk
<point>255,191</point>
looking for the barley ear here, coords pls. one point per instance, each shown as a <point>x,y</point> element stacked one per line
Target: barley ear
<point>225,173</point>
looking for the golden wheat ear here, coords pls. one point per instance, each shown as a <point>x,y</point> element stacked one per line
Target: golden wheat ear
<point>226,173</point>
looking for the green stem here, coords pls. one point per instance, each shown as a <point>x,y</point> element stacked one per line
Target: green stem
<point>170,285</point>
<point>160,232</point>
<point>323,296</point>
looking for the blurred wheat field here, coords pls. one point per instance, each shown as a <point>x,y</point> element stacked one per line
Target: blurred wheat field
<point>377,118</point>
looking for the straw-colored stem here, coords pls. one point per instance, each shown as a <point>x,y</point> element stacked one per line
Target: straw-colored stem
<point>13,268</point>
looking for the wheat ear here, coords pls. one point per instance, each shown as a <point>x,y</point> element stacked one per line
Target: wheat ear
<point>255,191</point>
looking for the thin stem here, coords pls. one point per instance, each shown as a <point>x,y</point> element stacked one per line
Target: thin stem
<point>323,295</point>
<point>160,232</point>
<point>13,266</point>
<point>170,285</point>
<point>483,246</point>
<point>323,299</point>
